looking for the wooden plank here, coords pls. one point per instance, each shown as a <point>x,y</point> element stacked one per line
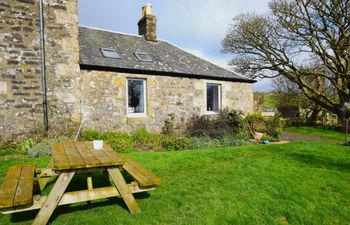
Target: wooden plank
<point>116,158</point>
<point>148,174</point>
<point>139,177</point>
<point>59,157</point>
<point>100,155</point>
<point>53,199</point>
<point>140,173</point>
<point>9,185</point>
<point>89,159</point>
<point>24,191</point>
<point>76,197</point>
<point>74,157</point>
<point>124,190</point>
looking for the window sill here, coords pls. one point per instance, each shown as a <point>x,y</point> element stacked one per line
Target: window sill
<point>136,115</point>
<point>212,113</point>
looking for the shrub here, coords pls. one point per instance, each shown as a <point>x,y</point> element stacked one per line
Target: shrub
<point>9,147</point>
<point>168,128</point>
<point>174,143</point>
<point>270,127</point>
<point>90,135</point>
<point>274,127</point>
<point>144,140</point>
<point>257,123</point>
<point>225,123</point>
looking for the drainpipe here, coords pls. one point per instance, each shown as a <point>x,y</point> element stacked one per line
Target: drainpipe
<point>43,67</point>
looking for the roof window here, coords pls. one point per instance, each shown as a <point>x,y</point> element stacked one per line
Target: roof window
<point>143,57</point>
<point>109,53</point>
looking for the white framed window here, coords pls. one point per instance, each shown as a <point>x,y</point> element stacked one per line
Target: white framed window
<point>213,98</point>
<point>136,97</point>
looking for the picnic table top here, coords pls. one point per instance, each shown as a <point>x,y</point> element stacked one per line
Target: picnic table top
<point>76,155</point>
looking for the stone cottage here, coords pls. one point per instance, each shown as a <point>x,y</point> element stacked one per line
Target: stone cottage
<point>102,79</point>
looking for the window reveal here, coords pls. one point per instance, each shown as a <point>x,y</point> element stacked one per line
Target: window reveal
<point>213,97</point>
<point>136,96</point>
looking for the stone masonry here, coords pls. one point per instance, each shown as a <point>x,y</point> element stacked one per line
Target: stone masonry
<point>104,100</point>
<point>20,71</point>
<point>95,98</point>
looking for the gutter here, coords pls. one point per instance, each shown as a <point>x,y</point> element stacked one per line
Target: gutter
<point>162,73</point>
<point>43,67</point>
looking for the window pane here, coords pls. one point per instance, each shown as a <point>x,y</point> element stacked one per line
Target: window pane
<point>213,97</point>
<point>136,96</point>
<point>143,57</point>
<point>109,53</point>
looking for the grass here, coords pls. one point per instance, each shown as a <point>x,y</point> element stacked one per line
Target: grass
<point>296,183</point>
<point>320,132</point>
<point>270,100</point>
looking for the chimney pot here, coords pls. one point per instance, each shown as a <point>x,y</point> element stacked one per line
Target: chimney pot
<point>147,9</point>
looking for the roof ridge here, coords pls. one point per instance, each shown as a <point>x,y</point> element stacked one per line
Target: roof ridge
<point>238,74</point>
<point>111,31</point>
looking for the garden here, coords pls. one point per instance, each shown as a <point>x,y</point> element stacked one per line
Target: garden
<point>214,176</point>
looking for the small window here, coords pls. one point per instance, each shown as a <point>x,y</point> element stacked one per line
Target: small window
<point>136,101</point>
<point>143,57</point>
<point>109,53</point>
<point>213,97</point>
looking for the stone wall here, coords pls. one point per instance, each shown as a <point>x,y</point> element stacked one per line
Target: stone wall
<point>20,65</point>
<point>104,100</point>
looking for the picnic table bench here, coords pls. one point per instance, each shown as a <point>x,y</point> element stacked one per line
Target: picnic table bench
<point>16,192</point>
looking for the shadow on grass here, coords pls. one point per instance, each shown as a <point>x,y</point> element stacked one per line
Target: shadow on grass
<point>67,209</point>
<point>320,161</point>
<point>78,183</point>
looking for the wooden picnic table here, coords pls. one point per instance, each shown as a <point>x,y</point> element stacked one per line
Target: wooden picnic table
<point>68,159</point>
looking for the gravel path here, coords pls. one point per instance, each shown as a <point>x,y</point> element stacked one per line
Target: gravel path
<point>291,136</point>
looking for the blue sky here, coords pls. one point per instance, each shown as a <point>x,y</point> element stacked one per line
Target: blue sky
<point>195,25</point>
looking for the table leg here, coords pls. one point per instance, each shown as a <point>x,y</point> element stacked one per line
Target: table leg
<point>124,190</point>
<point>54,198</point>
<point>89,184</point>
<point>44,180</point>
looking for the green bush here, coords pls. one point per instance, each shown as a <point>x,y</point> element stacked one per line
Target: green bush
<point>174,143</point>
<point>271,127</point>
<point>168,128</point>
<point>257,123</point>
<point>225,123</point>
<point>144,140</point>
<point>226,129</point>
<point>90,135</point>
<point>207,142</point>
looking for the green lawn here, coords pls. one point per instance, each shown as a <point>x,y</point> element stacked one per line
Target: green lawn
<point>320,132</point>
<point>296,183</point>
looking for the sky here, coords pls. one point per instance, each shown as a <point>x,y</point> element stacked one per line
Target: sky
<point>197,26</point>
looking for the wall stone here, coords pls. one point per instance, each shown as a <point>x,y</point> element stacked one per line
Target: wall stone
<point>20,65</point>
<point>104,100</point>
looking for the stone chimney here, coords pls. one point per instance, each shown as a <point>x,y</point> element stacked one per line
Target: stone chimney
<point>148,23</point>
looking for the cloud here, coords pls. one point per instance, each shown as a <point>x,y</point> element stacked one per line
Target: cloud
<point>263,85</point>
<point>208,19</point>
<point>220,60</point>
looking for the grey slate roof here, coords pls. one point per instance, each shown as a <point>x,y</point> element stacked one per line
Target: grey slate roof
<point>167,58</point>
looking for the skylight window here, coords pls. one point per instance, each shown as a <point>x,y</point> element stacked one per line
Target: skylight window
<point>110,53</point>
<point>143,57</point>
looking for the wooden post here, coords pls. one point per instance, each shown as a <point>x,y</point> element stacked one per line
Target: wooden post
<point>124,190</point>
<point>346,131</point>
<point>53,199</point>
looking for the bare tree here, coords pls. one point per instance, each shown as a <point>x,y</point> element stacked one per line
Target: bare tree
<point>306,41</point>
